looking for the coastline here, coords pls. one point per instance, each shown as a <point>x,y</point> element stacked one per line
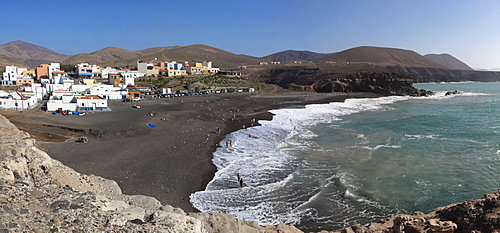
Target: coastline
<point>170,161</point>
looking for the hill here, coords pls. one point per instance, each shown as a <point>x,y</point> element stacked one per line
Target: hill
<point>106,55</point>
<point>448,61</point>
<point>6,60</point>
<point>29,54</point>
<point>193,53</point>
<point>382,56</point>
<point>293,55</point>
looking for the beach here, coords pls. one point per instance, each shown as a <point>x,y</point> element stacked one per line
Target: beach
<point>169,161</point>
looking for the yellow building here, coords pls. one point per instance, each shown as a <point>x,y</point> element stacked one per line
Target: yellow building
<point>29,73</point>
<point>176,73</point>
<point>90,82</point>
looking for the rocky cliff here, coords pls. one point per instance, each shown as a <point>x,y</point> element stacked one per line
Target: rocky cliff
<point>40,194</point>
<point>335,78</point>
<point>427,74</point>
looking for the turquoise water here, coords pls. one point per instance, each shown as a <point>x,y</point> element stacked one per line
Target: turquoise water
<point>334,165</point>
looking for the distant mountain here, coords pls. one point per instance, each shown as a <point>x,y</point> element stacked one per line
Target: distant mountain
<point>193,53</point>
<point>382,56</point>
<point>448,61</point>
<point>30,54</point>
<point>26,54</point>
<point>292,55</point>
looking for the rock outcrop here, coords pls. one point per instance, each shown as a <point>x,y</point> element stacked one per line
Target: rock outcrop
<point>332,78</point>
<point>478,215</point>
<point>40,194</point>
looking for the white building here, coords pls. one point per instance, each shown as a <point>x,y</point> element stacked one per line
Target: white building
<point>10,75</point>
<point>16,101</point>
<point>108,92</point>
<point>78,103</point>
<point>108,70</point>
<point>54,68</point>
<point>91,102</point>
<point>208,64</point>
<point>37,89</point>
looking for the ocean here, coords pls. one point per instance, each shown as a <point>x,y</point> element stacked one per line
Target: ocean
<point>329,166</point>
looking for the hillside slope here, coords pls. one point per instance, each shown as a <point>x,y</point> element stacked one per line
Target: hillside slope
<point>193,53</point>
<point>293,55</point>
<point>382,56</point>
<point>448,61</point>
<point>30,54</point>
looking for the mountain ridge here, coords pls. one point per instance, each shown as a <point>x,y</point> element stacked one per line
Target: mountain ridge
<point>27,54</point>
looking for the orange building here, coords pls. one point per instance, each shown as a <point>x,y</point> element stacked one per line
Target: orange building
<point>42,71</point>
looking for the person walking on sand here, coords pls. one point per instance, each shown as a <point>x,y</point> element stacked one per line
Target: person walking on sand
<point>217,129</point>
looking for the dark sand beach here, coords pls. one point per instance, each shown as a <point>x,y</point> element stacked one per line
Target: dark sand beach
<point>169,161</point>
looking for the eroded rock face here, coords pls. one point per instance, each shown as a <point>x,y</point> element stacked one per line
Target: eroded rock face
<point>324,78</point>
<point>40,194</point>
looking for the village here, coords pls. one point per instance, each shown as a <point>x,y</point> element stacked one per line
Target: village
<point>89,87</point>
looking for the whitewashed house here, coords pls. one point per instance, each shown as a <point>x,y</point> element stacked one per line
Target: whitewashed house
<point>108,92</point>
<point>12,74</point>
<point>16,101</point>
<point>91,102</point>
<point>78,103</point>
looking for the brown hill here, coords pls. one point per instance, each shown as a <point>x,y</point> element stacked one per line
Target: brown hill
<point>382,56</point>
<point>146,52</point>
<point>198,53</point>
<point>8,61</point>
<point>448,61</point>
<point>293,55</point>
<point>109,55</point>
<point>30,54</point>
<point>192,53</point>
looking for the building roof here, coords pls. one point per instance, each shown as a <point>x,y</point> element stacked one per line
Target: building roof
<point>88,97</point>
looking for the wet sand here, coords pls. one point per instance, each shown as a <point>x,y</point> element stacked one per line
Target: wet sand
<point>169,161</point>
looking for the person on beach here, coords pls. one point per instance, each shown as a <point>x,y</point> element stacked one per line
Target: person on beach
<point>240,180</point>
<point>217,129</point>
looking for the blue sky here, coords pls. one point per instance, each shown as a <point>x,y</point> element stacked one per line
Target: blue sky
<point>467,30</point>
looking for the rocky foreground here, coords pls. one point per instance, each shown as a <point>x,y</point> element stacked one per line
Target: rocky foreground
<point>40,194</point>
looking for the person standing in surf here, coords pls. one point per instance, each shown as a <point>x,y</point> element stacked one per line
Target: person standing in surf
<point>240,180</point>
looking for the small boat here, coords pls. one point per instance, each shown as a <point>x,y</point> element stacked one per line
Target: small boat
<point>136,106</point>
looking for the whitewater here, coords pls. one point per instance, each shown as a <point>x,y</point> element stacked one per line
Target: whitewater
<point>329,166</point>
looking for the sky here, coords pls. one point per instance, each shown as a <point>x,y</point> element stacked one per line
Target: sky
<point>468,30</point>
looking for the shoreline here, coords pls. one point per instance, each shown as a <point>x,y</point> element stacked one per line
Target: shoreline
<point>170,161</point>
